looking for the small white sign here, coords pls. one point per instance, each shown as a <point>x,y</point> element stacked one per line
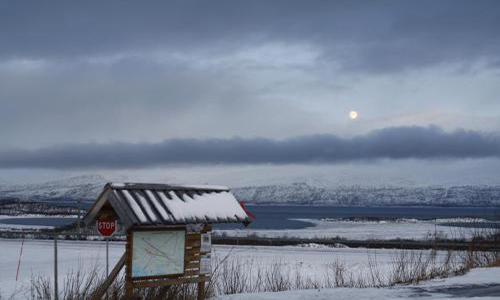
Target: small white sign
<point>205,264</point>
<point>206,242</point>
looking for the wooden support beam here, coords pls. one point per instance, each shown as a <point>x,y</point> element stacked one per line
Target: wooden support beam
<point>111,277</point>
<point>129,290</point>
<point>201,289</point>
<point>163,282</point>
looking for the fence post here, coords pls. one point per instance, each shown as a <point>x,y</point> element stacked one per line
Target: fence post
<point>201,290</point>
<point>56,291</point>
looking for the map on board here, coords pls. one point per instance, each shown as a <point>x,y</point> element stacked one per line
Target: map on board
<point>157,253</point>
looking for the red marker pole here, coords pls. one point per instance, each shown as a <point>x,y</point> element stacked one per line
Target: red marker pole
<point>19,261</point>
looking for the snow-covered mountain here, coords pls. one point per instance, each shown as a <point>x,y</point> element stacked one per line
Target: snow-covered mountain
<point>305,194</point>
<point>314,191</point>
<point>83,187</point>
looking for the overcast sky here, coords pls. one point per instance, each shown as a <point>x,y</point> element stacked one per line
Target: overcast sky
<point>111,84</point>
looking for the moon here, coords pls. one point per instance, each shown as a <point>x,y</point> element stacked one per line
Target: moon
<point>353,114</point>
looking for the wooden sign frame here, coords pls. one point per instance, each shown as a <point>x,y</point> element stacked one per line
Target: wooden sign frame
<point>191,262</point>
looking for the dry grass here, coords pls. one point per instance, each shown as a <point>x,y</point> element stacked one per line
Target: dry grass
<point>233,276</point>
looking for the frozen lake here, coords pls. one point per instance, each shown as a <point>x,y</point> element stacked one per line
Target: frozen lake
<point>299,217</point>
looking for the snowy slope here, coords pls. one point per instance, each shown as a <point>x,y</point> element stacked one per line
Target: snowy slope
<point>72,188</point>
<point>477,284</point>
<point>259,185</point>
<point>37,260</point>
<point>303,193</point>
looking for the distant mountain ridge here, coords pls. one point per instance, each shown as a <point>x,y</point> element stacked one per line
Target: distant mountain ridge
<point>83,187</point>
<point>305,194</point>
<point>87,187</point>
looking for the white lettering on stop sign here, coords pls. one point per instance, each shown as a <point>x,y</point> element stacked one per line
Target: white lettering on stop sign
<point>106,228</point>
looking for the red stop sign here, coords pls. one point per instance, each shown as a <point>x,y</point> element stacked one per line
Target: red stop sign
<point>106,227</point>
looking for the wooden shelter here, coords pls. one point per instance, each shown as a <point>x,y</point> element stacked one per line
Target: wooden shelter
<point>168,230</point>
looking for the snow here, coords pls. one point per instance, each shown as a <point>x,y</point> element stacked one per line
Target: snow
<point>172,205</point>
<point>313,262</point>
<point>20,226</point>
<point>364,230</point>
<point>479,283</point>
<point>37,260</point>
<point>221,205</point>
<point>282,185</point>
<point>201,187</point>
<point>135,207</point>
<point>146,206</point>
<point>157,205</point>
<point>337,294</point>
<point>205,187</point>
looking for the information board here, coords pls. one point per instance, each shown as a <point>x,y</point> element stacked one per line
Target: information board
<point>157,253</point>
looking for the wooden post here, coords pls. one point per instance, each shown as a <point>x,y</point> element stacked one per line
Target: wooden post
<point>201,284</point>
<point>78,225</point>
<point>129,290</point>
<point>56,291</point>
<point>107,256</point>
<point>201,290</point>
<point>109,280</point>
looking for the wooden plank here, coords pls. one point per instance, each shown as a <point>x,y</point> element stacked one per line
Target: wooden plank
<point>129,290</point>
<point>192,251</point>
<point>192,265</point>
<point>159,228</point>
<point>96,206</point>
<point>164,282</point>
<point>193,244</point>
<point>162,204</point>
<point>207,228</point>
<point>192,272</point>
<point>112,276</point>
<point>122,210</point>
<point>191,258</point>
<point>120,200</point>
<point>201,290</point>
<point>193,237</point>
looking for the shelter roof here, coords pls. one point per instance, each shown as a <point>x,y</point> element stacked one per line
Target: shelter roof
<point>143,204</point>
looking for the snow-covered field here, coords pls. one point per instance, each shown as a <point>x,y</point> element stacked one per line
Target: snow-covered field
<point>480,283</point>
<point>335,228</point>
<point>38,258</point>
<point>38,216</point>
<point>310,261</point>
<point>370,230</point>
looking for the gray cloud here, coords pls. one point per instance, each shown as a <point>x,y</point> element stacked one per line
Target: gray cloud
<point>373,36</point>
<point>390,143</point>
<point>94,71</point>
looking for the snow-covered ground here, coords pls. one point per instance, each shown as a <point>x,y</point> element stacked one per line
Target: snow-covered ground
<point>38,258</point>
<point>369,230</point>
<point>480,283</point>
<point>311,261</point>
<point>335,228</point>
<point>38,216</point>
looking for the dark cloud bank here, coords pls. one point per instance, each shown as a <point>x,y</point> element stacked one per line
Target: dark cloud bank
<point>392,143</point>
<point>378,36</point>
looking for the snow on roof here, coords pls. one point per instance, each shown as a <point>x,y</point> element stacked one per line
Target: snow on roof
<point>161,204</point>
<point>200,187</point>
